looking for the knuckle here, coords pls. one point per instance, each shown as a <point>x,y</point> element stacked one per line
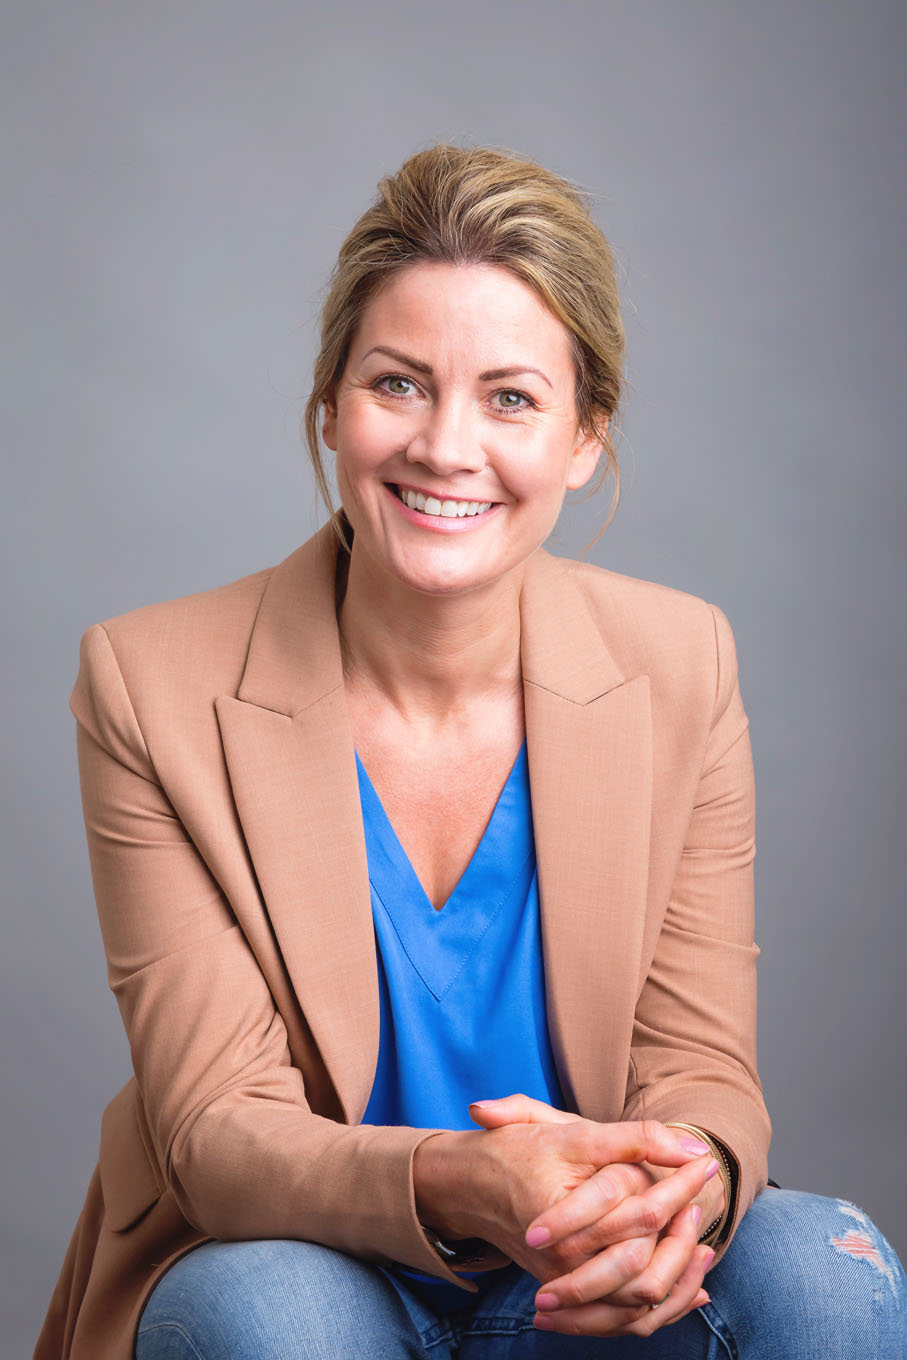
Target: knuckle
<point>587,1242</point>
<point>636,1255</point>
<point>605,1188</point>
<point>560,1257</point>
<point>651,1130</point>
<point>650,1290</point>
<point>574,1292</point>
<point>634,1321</point>
<point>652,1216</point>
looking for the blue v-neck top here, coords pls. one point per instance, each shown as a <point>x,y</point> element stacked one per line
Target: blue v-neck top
<point>462,990</point>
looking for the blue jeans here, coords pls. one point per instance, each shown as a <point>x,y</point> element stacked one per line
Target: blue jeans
<point>806,1278</point>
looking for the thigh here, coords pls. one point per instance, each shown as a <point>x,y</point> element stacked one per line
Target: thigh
<point>274,1300</point>
<point>807,1277</point>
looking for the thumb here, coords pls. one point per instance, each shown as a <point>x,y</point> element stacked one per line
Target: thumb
<point>516,1109</point>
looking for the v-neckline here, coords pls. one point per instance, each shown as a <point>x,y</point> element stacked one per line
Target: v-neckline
<point>439,944</point>
<point>393,857</point>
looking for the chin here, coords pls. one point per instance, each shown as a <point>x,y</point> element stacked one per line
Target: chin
<point>438,578</point>
<point>441,584</point>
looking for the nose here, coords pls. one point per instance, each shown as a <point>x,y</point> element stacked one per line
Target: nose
<point>446,439</point>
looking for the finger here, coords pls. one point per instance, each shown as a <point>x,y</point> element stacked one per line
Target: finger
<point>637,1271</point>
<point>604,1318</point>
<point>670,1259</point>
<point>628,1141</point>
<point>517,1109</point>
<point>686,1295</point>
<point>628,1216</point>
<point>653,1210</point>
<point>587,1203</point>
<point>590,1319</point>
<point>641,1141</point>
<point>599,1279</point>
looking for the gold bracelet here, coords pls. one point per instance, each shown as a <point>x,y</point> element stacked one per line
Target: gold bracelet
<point>714,1229</point>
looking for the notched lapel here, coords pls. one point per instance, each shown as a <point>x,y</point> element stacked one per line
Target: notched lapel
<point>589,743</point>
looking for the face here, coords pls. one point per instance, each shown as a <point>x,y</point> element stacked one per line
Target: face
<point>455,427</point>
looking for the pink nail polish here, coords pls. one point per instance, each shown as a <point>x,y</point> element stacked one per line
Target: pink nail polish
<point>697,1215</point>
<point>694,1145</point>
<point>543,1322</point>
<point>547,1302</point>
<point>711,1169</point>
<point>537,1237</point>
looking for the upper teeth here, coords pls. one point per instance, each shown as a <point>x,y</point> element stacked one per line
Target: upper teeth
<point>430,505</point>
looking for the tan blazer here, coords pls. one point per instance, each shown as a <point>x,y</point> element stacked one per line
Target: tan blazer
<point>229,864</point>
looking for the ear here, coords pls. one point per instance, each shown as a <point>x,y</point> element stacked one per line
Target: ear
<point>586,453</point>
<point>329,422</point>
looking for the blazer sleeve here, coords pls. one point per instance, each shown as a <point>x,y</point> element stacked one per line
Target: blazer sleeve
<point>693,1053</point>
<point>229,1125</point>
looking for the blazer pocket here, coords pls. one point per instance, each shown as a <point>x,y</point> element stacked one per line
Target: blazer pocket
<point>130,1182</point>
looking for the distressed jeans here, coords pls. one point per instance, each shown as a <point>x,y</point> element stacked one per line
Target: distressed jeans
<point>805,1278</point>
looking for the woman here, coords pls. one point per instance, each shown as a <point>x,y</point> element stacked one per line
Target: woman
<point>426,816</point>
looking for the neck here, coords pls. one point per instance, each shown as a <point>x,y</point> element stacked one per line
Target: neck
<point>433,658</point>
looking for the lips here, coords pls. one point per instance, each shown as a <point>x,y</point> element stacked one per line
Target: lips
<point>440,506</point>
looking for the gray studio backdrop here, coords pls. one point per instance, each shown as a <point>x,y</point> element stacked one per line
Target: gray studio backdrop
<point>178,178</point>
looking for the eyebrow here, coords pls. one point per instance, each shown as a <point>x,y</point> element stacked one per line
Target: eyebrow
<point>487,376</point>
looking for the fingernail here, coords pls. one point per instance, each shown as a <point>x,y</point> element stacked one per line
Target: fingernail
<point>544,1322</point>
<point>537,1237</point>
<point>697,1215</point>
<point>481,1103</point>
<point>711,1256</point>
<point>547,1301</point>
<point>711,1169</point>
<point>694,1145</point>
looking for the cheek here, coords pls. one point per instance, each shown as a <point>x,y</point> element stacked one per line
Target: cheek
<point>367,435</point>
<point>539,472</point>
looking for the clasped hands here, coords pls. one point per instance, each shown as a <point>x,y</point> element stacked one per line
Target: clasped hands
<point>601,1214</point>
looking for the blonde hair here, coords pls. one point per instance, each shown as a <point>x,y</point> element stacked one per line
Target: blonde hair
<point>481,205</point>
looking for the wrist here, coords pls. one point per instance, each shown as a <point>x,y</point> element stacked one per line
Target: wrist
<point>717,1197</point>
<point>712,1200</point>
<point>442,1187</point>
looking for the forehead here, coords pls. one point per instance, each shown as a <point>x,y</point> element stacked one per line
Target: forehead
<point>478,311</point>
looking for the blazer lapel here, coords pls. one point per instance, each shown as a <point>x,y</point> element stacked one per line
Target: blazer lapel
<point>291,761</point>
<point>589,743</point>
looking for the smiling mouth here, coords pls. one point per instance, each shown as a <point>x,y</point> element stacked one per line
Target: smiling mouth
<point>444,509</point>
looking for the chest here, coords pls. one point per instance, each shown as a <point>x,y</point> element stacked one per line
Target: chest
<point>438,794</point>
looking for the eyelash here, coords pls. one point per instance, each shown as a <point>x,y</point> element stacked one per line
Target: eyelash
<point>505,410</point>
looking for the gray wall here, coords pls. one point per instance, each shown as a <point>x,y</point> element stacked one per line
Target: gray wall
<point>178,179</point>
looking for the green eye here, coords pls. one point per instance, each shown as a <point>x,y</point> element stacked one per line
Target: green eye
<point>512,400</point>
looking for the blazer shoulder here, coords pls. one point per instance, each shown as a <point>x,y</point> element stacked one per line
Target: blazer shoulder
<point>679,639</point>
<point>200,609</point>
<point>648,606</point>
<point>195,644</point>
<point>221,613</point>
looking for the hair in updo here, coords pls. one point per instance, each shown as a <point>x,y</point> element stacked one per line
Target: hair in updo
<point>480,205</point>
